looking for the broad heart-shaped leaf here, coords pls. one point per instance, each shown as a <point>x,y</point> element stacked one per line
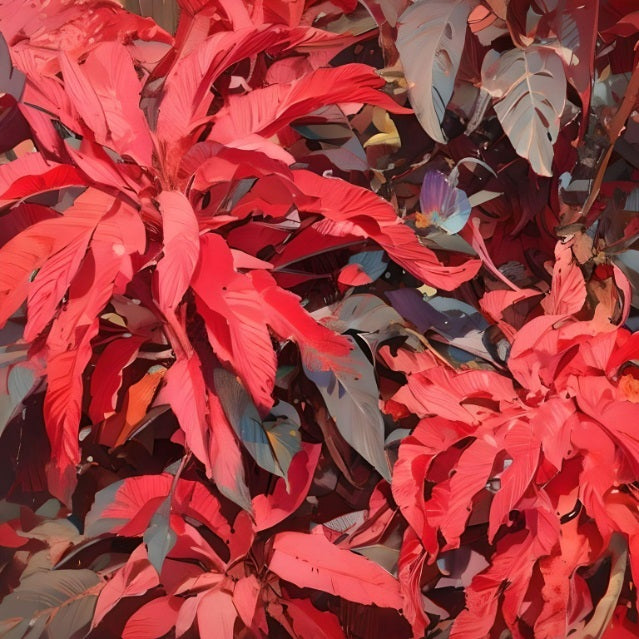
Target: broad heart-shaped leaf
<point>430,40</point>
<point>529,88</point>
<point>352,398</point>
<point>312,561</point>
<point>58,603</point>
<point>272,443</point>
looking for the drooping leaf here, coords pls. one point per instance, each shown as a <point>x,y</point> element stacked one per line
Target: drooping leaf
<point>430,40</point>
<point>352,398</point>
<point>311,561</point>
<point>267,110</point>
<point>271,443</point>
<point>54,604</point>
<point>160,537</point>
<point>350,210</point>
<point>232,311</point>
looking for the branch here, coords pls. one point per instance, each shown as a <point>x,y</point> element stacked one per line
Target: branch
<point>614,131</point>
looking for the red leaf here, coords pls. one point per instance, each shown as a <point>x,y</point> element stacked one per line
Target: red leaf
<point>267,110</point>
<point>523,447</point>
<point>84,98</point>
<point>450,504</point>
<point>115,81</point>
<point>51,284</point>
<point>181,248</point>
<point>126,507</point>
<point>9,538</point>
<point>216,615</point>
<point>135,578</point>
<point>185,392</point>
<point>558,571</point>
<point>245,598</point>
<point>62,412</point>
<point>28,185</point>
<point>311,561</point>
<point>30,249</point>
<point>352,210</point>
<point>225,457</point>
<point>271,509</point>
<point>107,375</point>
<point>154,619</point>
<point>68,342</point>
<point>568,291</point>
<point>308,621</point>
<point>234,316</point>
<point>410,565</point>
<point>285,315</point>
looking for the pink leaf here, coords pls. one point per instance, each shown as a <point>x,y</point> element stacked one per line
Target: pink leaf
<point>154,619</point>
<point>135,578</point>
<point>181,248</point>
<point>311,561</point>
<point>216,615</point>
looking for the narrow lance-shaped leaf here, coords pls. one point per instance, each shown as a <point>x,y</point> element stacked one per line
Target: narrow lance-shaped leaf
<point>352,398</point>
<point>271,443</point>
<point>181,248</point>
<point>311,561</point>
<point>159,537</point>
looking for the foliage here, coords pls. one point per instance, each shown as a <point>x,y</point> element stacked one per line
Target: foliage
<point>319,319</point>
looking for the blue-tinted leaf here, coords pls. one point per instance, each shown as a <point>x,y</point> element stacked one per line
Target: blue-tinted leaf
<point>159,537</point>
<point>371,262</point>
<point>272,444</point>
<point>350,391</point>
<point>363,313</point>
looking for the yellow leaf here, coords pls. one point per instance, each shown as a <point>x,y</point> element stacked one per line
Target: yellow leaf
<point>389,134</point>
